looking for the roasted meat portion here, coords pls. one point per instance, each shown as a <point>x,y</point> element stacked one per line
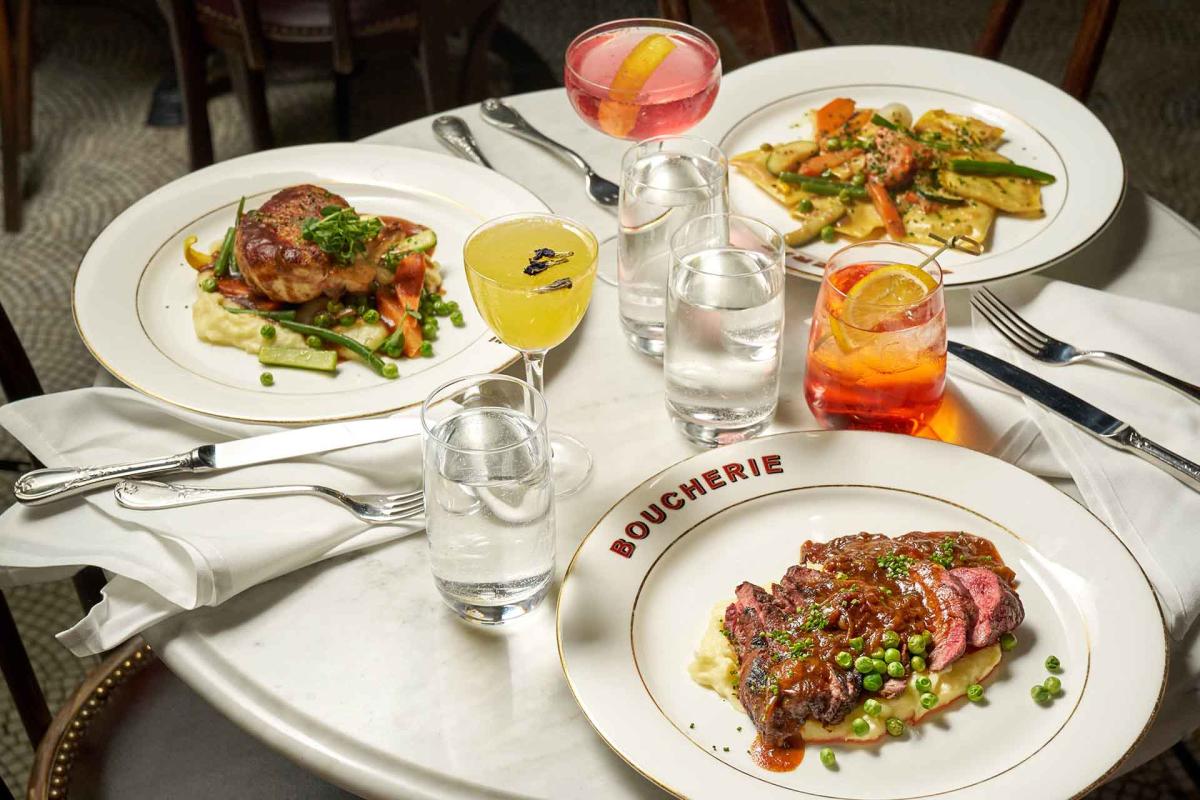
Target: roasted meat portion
<point>861,594</point>
<point>277,262</point>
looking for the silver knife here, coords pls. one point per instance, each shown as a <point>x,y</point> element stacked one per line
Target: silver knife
<point>47,485</point>
<point>1101,424</point>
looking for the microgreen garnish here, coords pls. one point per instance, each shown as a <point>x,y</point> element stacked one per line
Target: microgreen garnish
<point>943,554</point>
<point>341,232</point>
<point>816,619</point>
<point>895,565</point>
<point>544,258</point>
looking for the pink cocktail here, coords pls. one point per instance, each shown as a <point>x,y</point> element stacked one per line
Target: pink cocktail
<point>638,78</point>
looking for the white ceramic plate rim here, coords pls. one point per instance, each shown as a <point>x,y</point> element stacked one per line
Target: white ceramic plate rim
<point>1095,169</point>
<point>610,690</point>
<point>109,324</point>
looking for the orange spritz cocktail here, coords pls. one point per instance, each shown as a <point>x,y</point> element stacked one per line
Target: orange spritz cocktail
<point>877,348</point>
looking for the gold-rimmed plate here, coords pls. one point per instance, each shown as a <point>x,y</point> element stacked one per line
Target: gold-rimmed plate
<point>638,595</point>
<point>133,292</point>
<point>1044,128</point>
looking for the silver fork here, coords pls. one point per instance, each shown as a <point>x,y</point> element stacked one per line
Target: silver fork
<point>373,508</point>
<point>1033,342</point>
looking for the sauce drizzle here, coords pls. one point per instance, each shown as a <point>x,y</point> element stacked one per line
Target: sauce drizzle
<point>776,759</point>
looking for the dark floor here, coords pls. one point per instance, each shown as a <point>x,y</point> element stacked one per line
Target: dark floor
<point>99,63</point>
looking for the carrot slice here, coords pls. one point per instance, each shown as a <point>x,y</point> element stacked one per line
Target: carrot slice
<point>394,302</point>
<point>833,115</point>
<point>818,164</point>
<point>886,208</point>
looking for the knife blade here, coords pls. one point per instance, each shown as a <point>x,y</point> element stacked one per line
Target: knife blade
<point>47,485</point>
<point>1074,409</point>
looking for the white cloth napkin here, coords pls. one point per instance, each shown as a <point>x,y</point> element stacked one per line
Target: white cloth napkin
<point>166,562</point>
<point>1156,516</point>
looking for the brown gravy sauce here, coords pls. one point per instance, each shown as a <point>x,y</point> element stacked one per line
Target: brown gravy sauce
<point>776,759</point>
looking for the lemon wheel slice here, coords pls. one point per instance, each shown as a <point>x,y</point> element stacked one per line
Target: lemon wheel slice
<point>618,114</point>
<point>883,293</point>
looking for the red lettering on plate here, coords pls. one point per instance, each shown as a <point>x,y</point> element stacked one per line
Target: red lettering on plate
<point>674,504</point>
<point>692,488</point>
<point>622,548</point>
<point>734,472</point>
<point>713,479</point>
<point>753,467</point>
<point>771,465</point>
<point>637,530</point>
<point>658,516</point>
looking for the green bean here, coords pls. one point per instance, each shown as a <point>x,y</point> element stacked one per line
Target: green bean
<point>288,314</point>
<point>823,186</point>
<point>353,345</point>
<point>884,122</point>
<point>221,268</point>
<point>969,166</point>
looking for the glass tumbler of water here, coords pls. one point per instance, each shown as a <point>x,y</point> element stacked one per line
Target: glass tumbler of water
<point>489,496</point>
<point>665,182</point>
<point>724,327</point>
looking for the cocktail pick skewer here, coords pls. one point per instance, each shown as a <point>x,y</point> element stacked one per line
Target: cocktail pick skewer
<point>963,243</point>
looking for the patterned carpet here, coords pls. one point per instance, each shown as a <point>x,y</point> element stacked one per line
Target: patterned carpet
<point>99,62</point>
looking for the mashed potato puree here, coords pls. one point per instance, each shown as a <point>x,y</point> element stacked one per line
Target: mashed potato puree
<point>715,667</point>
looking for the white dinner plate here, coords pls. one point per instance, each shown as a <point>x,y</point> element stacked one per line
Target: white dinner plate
<point>1044,128</point>
<point>629,622</point>
<point>133,292</point>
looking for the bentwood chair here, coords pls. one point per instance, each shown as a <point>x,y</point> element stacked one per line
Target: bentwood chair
<point>16,100</point>
<point>758,28</point>
<point>340,33</point>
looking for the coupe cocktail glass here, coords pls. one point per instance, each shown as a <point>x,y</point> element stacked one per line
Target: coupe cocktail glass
<point>877,347</point>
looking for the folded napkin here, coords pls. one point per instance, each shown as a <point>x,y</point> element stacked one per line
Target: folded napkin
<point>165,562</point>
<point>1153,514</point>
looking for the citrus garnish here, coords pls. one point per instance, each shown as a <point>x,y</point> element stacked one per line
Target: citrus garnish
<point>618,114</point>
<point>885,292</point>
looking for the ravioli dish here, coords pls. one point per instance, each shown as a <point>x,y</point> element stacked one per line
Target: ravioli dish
<point>306,282</point>
<point>870,170</point>
<point>867,634</point>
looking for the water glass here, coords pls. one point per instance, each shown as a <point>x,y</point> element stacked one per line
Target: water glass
<point>665,182</point>
<point>489,496</point>
<point>724,327</point>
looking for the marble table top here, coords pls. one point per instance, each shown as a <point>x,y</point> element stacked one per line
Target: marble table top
<point>355,669</point>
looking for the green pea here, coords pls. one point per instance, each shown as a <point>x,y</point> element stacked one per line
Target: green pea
<point>456,319</point>
<point>322,320</point>
<point>877,653</point>
<point>209,284</point>
<point>833,143</point>
<point>916,644</point>
<point>360,310</point>
<point>346,321</point>
<point>266,379</point>
<point>891,639</point>
<point>879,665</point>
<point>1053,664</point>
<point>859,179</point>
<point>856,644</point>
<point>891,655</point>
<point>828,234</point>
<point>844,660</point>
<point>393,350</point>
<point>928,700</point>
<point>828,758</point>
<point>452,305</point>
<point>429,332</point>
<point>923,683</point>
<point>334,307</point>
<point>314,342</point>
<point>895,727</point>
<point>1040,694</point>
<point>873,682</point>
<point>805,205</point>
<point>917,663</point>
<point>844,196</point>
<point>426,350</point>
<point>860,726</point>
<point>895,669</point>
<point>267,331</point>
<point>975,693</point>
<point>441,309</point>
<point>1053,685</point>
<point>873,707</point>
<point>1008,642</point>
<point>370,316</point>
<point>864,664</point>
<point>390,371</point>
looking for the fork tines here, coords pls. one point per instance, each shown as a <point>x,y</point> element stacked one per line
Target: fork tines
<point>1009,323</point>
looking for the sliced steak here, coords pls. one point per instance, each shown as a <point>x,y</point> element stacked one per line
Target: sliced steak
<point>998,610</point>
<point>951,611</point>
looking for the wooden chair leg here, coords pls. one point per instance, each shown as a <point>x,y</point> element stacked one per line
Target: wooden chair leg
<point>21,680</point>
<point>1000,21</point>
<point>17,376</point>
<point>341,105</point>
<point>24,78</point>
<point>193,78</point>
<point>251,88</point>
<point>1098,17</point>
<point>473,84</point>
<point>436,24</point>
<point>10,135</point>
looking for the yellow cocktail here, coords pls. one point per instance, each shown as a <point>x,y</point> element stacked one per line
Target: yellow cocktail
<point>531,276</point>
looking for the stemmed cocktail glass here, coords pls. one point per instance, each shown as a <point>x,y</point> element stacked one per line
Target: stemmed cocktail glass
<point>531,276</point>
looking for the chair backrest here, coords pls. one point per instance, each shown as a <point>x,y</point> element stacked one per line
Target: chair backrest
<point>254,42</point>
<point>1086,53</point>
<point>759,28</point>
